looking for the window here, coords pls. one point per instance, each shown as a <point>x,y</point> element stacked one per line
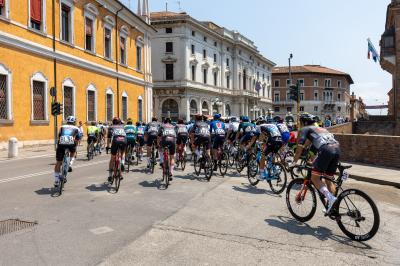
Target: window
<point>109,105</point>
<point>338,97</point>
<point>205,38</point>
<point>244,80</point>
<point>204,54</point>
<point>263,77</point>
<point>327,83</point>
<point>124,106</point>
<point>228,49</point>
<point>215,58</point>
<point>227,62</point>
<point>215,78</point>
<point>205,75</point>
<point>169,47</point>
<point>315,96</point>
<point>301,96</point>
<point>288,96</point>
<point>315,108</point>
<point>276,83</point>
<point>276,97</point>
<point>276,109</point>
<point>339,83</point>
<point>138,57</point>
<point>169,71</point>
<point>89,39</point>
<point>4,8</point>
<point>4,97</point>
<point>240,52</point>
<point>91,103</point>
<point>107,43</point>
<point>168,30</point>
<point>228,82</point>
<point>301,82</point>
<point>339,108</point>
<point>122,46</point>
<point>301,108</point>
<point>315,83</point>
<point>288,82</point>
<point>193,49</point>
<point>140,109</point>
<point>193,33</point>
<point>39,94</point>
<point>66,23</point>
<point>215,44</point>
<point>289,109</point>
<point>37,14</point>
<point>193,73</point>
<point>68,103</point>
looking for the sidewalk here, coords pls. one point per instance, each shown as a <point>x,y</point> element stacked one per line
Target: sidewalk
<point>375,174</point>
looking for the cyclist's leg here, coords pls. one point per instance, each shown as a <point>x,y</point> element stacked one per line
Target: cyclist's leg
<point>59,159</point>
<point>72,150</point>
<point>114,150</point>
<point>171,147</point>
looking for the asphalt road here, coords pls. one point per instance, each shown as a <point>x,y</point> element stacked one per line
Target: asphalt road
<point>224,221</point>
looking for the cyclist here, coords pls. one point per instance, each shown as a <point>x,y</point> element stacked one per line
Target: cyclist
<point>116,137</point>
<point>182,133</point>
<point>327,159</point>
<point>130,131</point>
<point>233,128</point>
<point>140,129</point>
<point>200,134</point>
<point>246,131</point>
<point>92,136</point>
<point>283,129</point>
<point>102,132</point>
<point>167,138</point>
<point>217,129</point>
<point>151,133</point>
<point>68,138</point>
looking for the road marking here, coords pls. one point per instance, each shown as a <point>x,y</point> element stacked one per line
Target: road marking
<point>10,179</point>
<point>101,230</point>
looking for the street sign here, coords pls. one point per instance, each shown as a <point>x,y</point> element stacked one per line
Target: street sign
<point>53,91</point>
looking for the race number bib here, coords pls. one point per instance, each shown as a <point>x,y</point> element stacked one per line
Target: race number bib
<point>169,132</point>
<point>129,131</point>
<point>182,130</point>
<point>140,131</point>
<point>119,132</point>
<point>153,129</point>
<point>220,131</point>
<point>249,129</point>
<point>67,140</point>
<point>204,131</point>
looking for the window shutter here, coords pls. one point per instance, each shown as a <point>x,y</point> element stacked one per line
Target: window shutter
<point>36,10</point>
<point>89,27</point>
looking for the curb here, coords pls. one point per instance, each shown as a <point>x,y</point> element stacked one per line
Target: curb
<point>375,181</point>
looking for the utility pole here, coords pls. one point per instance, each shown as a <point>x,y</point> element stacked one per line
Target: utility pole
<point>290,69</point>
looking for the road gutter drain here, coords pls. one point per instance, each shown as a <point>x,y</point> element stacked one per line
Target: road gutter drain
<point>13,225</point>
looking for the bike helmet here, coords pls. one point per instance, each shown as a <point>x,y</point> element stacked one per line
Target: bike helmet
<point>71,119</point>
<point>217,116</point>
<point>116,121</point>
<point>93,123</point>
<point>180,122</point>
<point>234,119</point>
<point>129,121</point>
<point>154,119</point>
<point>167,120</point>
<point>307,119</point>
<point>138,124</point>
<point>245,118</point>
<point>199,117</point>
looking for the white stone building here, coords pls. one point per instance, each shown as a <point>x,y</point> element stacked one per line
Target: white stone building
<point>199,67</point>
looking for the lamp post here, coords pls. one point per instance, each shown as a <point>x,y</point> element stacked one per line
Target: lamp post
<point>290,69</point>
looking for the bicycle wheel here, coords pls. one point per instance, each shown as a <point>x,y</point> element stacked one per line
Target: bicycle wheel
<point>166,173</point>
<point>239,162</point>
<point>301,200</point>
<point>252,170</point>
<point>208,168</point>
<point>183,161</point>
<point>117,177</point>
<point>358,215</point>
<point>231,157</point>
<point>223,163</point>
<point>278,180</point>
<point>152,161</point>
<point>197,164</point>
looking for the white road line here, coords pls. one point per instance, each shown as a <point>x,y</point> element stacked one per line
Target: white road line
<point>10,179</point>
<point>101,230</point>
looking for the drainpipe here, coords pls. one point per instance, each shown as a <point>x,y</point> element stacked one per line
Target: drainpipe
<point>116,55</point>
<point>53,6</point>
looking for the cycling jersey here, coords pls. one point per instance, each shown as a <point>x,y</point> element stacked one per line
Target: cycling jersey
<point>285,133</point>
<point>67,135</point>
<point>130,131</point>
<point>201,129</point>
<point>117,132</point>
<point>233,126</point>
<point>181,129</point>
<point>92,131</point>
<point>140,131</point>
<point>317,135</point>
<point>153,128</point>
<point>101,129</point>
<point>217,128</point>
<point>168,137</point>
<point>247,128</point>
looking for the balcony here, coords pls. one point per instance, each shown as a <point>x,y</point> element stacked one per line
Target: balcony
<point>246,93</point>
<point>388,50</point>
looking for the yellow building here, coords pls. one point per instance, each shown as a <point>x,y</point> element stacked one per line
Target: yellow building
<point>96,53</point>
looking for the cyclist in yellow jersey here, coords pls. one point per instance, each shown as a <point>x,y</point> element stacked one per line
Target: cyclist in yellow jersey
<point>93,134</point>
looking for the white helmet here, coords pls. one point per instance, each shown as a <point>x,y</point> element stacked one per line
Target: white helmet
<point>71,119</point>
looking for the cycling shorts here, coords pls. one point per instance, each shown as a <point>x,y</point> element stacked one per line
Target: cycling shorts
<point>247,137</point>
<point>61,151</point>
<point>152,139</point>
<point>218,141</point>
<point>202,140</point>
<point>182,139</point>
<point>118,141</point>
<point>327,160</point>
<point>91,139</point>
<point>140,140</point>
<point>131,142</point>
<point>273,146</point>
<point>170,143</point>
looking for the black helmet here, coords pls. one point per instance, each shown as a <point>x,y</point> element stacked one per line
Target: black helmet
<point>167,120</point>
<point>307,119</point>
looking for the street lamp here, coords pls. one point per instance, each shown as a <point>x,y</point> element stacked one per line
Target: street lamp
<point>290,68</point>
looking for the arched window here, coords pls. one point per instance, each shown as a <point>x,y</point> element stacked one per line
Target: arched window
<point>109,105</point>
<point>39,97</point>
<point>68,89</point>
<point>91,103</point>
<point>140,108</point>
<point>193,107</point>
<point>204,108</point>
<point>124,102</point>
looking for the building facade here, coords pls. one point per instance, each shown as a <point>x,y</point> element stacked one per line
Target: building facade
<point>95,53</point>
<point>199,67</point>
<point>323,91</point>
<point>390,58</point>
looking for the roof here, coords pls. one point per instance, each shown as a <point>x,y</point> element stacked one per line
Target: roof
<point>167,15</point>
<point>310,69</point>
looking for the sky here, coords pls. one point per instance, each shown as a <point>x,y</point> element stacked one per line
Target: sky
<point>329,33</point>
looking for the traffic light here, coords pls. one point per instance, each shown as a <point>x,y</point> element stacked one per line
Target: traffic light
<point>56,108</point>
<point>294,92</point>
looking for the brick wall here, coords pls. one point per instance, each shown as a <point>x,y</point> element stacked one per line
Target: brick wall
<point>375,127</point>
<point>346,128</point>
<point>370,149</point>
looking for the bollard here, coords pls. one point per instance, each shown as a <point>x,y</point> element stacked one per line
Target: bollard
<point>12,148</point>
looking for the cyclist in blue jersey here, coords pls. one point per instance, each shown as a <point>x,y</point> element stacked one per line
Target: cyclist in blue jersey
<point>246,132</point>
<point>217,129</point>
<point>67,139</point>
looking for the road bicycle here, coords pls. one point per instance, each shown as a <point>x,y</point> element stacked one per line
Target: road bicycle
<point>352,210</point>
<point>222,161</point>
<point>181,157</point>
<point>166,166</point>
<point>276,172</point>
<point>231,150</point>
<point>117,169</point>
<point>203,162</point>
<point>91,151</point>
<point>152,158</point>
<point>128,157</point>
<point>64,171</point>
